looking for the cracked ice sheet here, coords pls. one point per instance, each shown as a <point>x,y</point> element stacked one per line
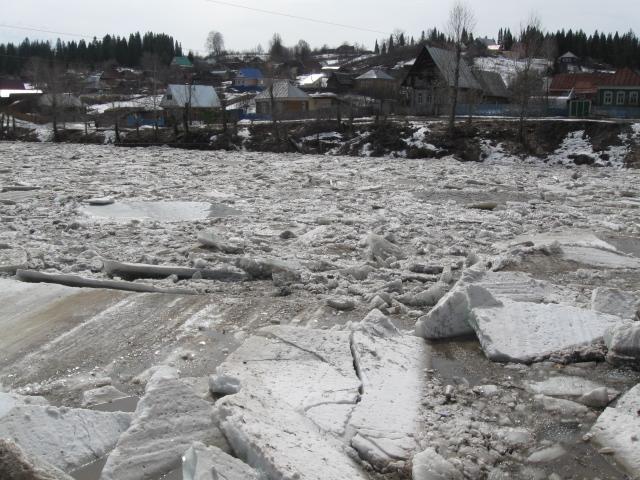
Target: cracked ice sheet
<point>311,370</point>
<point>282,443</point>
<point>386,420</point>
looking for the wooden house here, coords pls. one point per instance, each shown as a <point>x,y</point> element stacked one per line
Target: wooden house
<point>568,63</point>
<point>429,81</point>
<point>620,90</point>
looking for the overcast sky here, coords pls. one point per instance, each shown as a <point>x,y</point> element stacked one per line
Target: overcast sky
<point>189,21</point>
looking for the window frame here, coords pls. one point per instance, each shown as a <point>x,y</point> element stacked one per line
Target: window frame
<point>621,94</point>
<point>607,97</point>
<point>634,98</point>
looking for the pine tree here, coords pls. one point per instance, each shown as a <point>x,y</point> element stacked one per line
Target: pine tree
<point>376,49</point>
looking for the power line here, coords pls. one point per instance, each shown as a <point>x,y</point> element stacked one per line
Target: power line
<point>33,29</point>
<point>297,17</point>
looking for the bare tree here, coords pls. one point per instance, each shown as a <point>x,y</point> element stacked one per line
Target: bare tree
<point>215,43</point>
<point>527,82</point>
<point>302,51</point>
<point>460,24</point>
<point>158,73</point>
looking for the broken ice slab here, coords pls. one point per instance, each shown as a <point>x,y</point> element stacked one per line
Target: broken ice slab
<point>580,246</point>
<point>564,386</point>
<point>42,431</point>
<point>167,420</point>
<point>212,239</point>
<point>616,302</point>
<point>12,259</point>
<point>210,463</point>
<point>160,211</point>
<point>623,342</point>
<point>15,464</point>
<point>347,383</point>
<point>387,419</point>
<point>310,370</point>
<point>618,428</point>
<point>524,332</point>
<point>477,287</point>
<point>599,258</point>
<point>267,433</point>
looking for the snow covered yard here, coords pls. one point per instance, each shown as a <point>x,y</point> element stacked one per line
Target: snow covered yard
<point>317,317</point>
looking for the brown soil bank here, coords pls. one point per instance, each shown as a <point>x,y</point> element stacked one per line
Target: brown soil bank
<point>391,137</point>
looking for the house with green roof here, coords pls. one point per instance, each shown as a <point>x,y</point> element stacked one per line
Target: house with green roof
<point>181,62</point>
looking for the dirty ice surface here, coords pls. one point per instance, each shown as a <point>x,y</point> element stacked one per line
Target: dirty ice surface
<point>380,318</point>
<point>157,211</point>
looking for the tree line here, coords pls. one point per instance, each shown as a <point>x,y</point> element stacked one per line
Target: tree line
<point>126,52</point>
<point>612,48</point>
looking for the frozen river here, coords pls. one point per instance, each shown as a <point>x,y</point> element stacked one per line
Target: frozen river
<point>277,365</point>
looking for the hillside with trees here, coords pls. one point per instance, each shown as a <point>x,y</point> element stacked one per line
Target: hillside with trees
<point>126,52</point>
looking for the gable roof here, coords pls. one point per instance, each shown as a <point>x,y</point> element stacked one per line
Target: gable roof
<point>282,90</point>
<point>202,96</point>
<point>569,55</point>
<point>253,73</point>
<point>445,62</point>
<point>375,74</point>
<point>182,62</point>
<point>492,84</point>
<point>623,78</point>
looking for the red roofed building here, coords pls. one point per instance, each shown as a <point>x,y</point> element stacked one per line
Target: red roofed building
<point>621,89</point>
<point>578,85</point>
<point>607,91</point>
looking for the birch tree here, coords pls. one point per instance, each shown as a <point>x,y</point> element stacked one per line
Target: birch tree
<point>528,80</point>
<point>215,43</point>
<point>460,24</point>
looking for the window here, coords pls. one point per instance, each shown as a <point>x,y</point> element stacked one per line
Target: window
<point>420,99</point>
<point>429,99</point>
<point>169,96</point>
<point>620,97</point>
<point>608,98</point>
<point>633,98</point>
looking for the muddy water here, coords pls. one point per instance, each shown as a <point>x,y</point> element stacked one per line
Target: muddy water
<point>127,404</point>
<point>462,361</point>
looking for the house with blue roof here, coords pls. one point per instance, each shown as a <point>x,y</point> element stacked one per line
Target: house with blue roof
<point>249,79</point>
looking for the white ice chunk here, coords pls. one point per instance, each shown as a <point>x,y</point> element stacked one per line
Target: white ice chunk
<point>210,463</point>
<point>67,438</point>
<point>524,332</point>
<point>615,302</point>
<point>167,420</point>
<point>271,437</point>
<point>387,417</point>
<point>619,429</point>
